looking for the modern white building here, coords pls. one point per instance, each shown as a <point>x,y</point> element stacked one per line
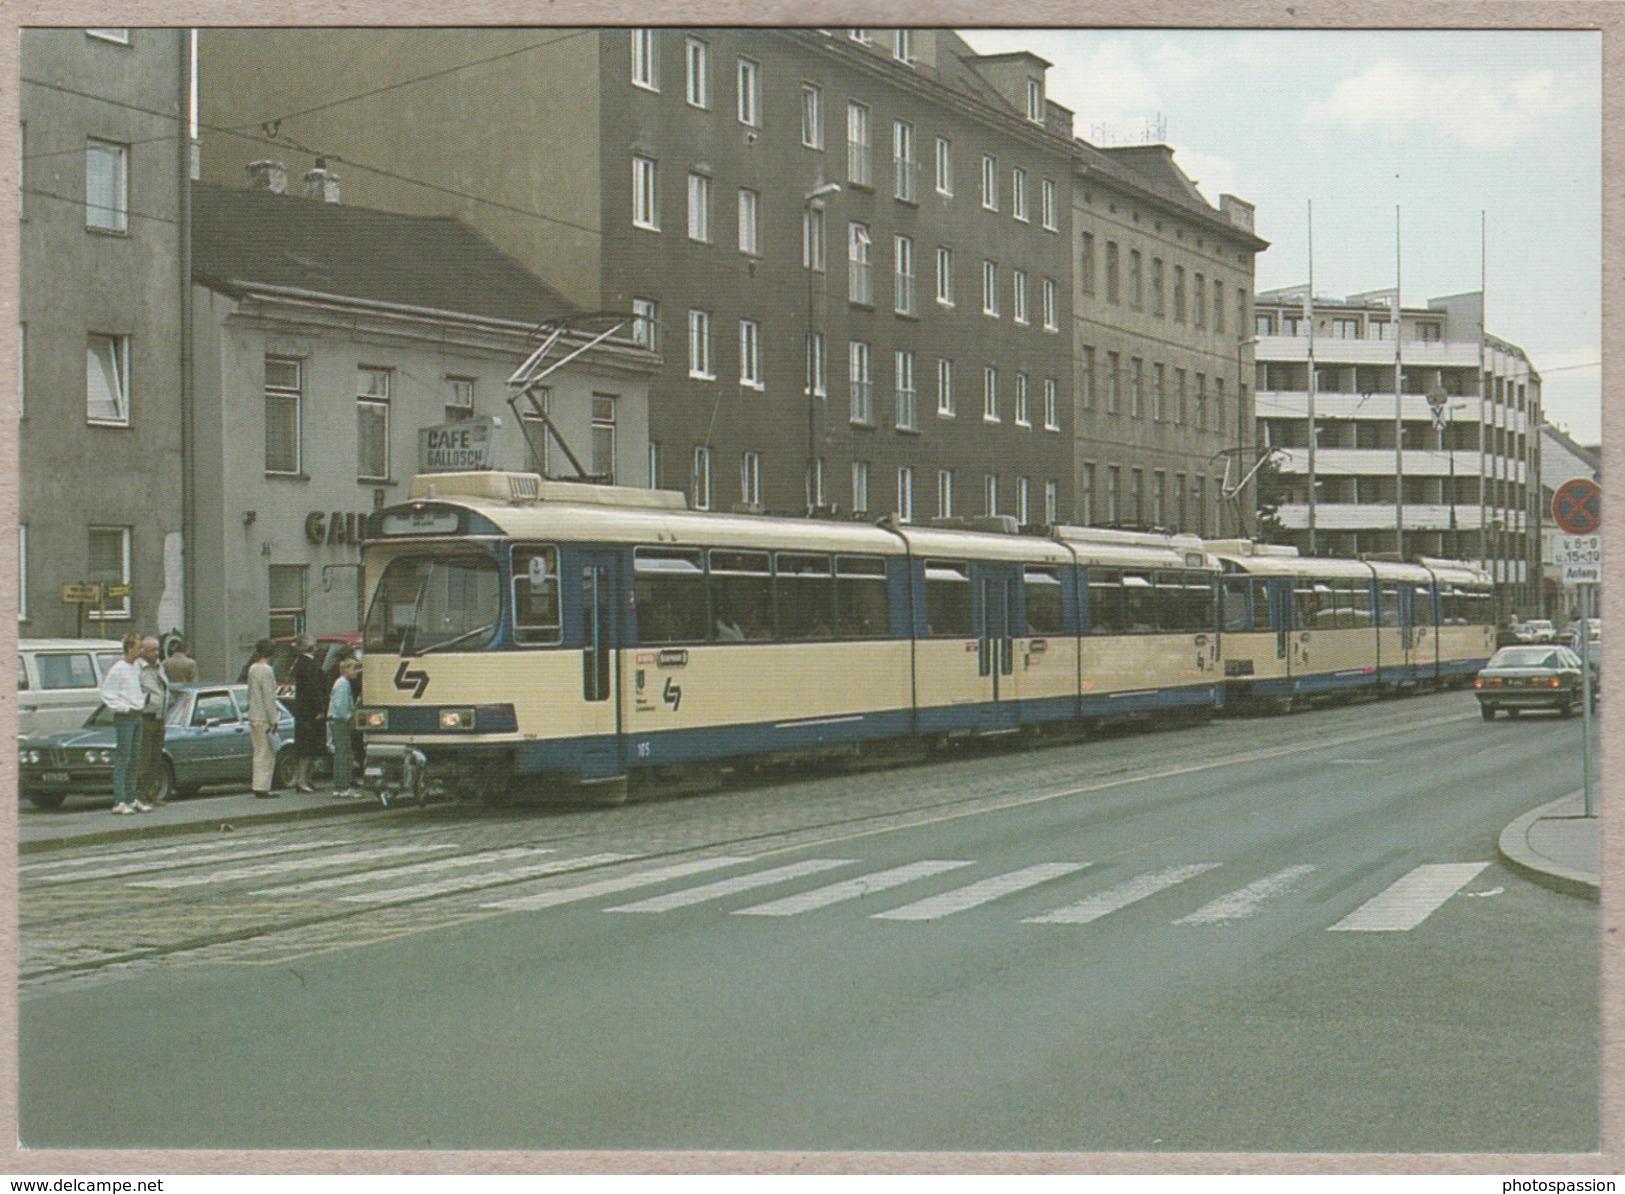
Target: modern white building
<point>1423,443</point>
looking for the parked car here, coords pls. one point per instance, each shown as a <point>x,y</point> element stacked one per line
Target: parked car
<point>206,741</point>
<point>1529,677</point>
<point>1570,638</point>
<point>330,648</point>
<point>59,680</point>
<point>1538,630</point>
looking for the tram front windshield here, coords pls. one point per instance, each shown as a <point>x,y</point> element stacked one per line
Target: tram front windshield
<point>435,602</point>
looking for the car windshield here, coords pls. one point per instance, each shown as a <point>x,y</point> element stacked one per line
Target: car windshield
<point>435,603</point>
<point>1525,657</point>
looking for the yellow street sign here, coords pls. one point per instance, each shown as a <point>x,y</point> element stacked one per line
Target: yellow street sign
<point>81,594</point>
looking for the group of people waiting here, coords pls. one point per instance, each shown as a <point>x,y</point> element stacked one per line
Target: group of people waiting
<point>136,690</point>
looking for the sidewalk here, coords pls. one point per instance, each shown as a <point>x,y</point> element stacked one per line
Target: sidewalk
<point>93,824</point>
<point>1558,846</point>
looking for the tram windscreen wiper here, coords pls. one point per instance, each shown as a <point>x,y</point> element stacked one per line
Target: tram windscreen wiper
<point>460,638</point>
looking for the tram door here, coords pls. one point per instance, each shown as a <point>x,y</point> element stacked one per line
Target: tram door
<point>600,638</point>
<point>997,621</point>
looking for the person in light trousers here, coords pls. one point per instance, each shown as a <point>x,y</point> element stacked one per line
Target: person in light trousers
<point>340,723</point>
<point>262,717</point>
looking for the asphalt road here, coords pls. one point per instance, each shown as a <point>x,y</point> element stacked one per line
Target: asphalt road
<point>1282,934</point>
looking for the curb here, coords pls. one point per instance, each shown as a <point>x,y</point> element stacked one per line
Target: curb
<point>1517,854</point>
<point>205,825</point>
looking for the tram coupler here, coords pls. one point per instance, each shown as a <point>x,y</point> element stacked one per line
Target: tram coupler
<point>394,772</point>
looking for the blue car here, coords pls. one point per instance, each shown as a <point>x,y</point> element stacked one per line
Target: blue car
<point>206,741</point>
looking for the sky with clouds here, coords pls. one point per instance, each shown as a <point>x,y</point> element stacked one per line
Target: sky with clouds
<point>1451,128</point>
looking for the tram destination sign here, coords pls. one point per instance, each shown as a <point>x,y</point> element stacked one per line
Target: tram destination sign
<point>464,446</point>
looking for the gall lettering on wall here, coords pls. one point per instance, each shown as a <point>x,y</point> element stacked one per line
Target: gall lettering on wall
<point>340,528</point>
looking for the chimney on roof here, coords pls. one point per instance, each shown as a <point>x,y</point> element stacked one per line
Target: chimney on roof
<point>321,183</point>
<point>268,176</point>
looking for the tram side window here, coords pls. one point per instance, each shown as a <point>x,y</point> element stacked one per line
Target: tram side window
<point>670,595</point>
<point>1105,601</point>
<point>806,597</point>
<point>860,596</point>
<point>947,600</point>
<point>1360,604</point>
<point>1422,605</point>
<point>1140,614</point>
<point>1233,606</point>
<point>1043,593</point>
<point>1306,605</point>
<point>741,596</point>
<point>1390,606</point>
<point>1198,602</point>
<point>535,595</point>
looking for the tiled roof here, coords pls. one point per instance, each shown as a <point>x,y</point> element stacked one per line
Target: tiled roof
<point>242,238</point>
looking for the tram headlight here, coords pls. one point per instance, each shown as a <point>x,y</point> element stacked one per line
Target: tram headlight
<point>373,719</point>
<point>457,719</point>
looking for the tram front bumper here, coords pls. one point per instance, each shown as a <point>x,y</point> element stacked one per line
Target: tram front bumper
<point>394,771</point>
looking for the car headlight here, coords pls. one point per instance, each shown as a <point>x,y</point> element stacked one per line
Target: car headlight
<point>28,756</point>
<point>373,719</point>
<point>457,719</point>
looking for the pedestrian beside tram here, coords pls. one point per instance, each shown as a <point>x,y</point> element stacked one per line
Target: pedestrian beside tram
<point>121,693</point>
<point>180,667</point>
<point>340,724</point>
<point>262,718</point>
<point>309,711</point>
<point>154,708</point>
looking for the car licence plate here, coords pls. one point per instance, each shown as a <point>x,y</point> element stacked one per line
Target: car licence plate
<point>53,777</point>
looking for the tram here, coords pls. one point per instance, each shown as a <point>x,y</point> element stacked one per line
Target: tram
<point>523,634</point>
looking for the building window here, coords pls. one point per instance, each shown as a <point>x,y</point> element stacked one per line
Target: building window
<point>286,600</point>
<point>904,287</point>
<point>644,63</point>
<point>1052,502</point>
<point>22,572</point>
<point>1114,370</point>
<point>1218,306</point>
<point>1201,402</point>
<point>533,428</point>
<point>119,35</point>
<point>1157,307</point>
<point>1218,403</point>
<point>815,499</point>
<point>861,36</point>
<point>815,365</point>
<point>905,494</point>
<point>1021,501</point>
<point>603,438</point>
<point>862,397</point>
<point>903,45</point>
<point>990,288</point>
<point>1114,485</point>
<point>698,56</point>
<point>1021,401</point>
<point>459,398</point>
<point>107,186</point>
<point>1179,502</point>
<point>945,166</point>
<point>372,423</point>
<point>945,387</point>
<point>284,405</point>
<point>702,478</point>
<point>1159,482</point>
<point>858,285</point>
<point>1136,376</point>
<point>1052,319</point>
<point>945,276</point>
<point>1086,379</point>
<point>1046,205</point>
<point>1136,287</point>
<point>812,116</point>
<point>749,226</point>
<point>107,379</point>
<point>990,394</point>
<point>990,182</point>
<point>654,464</point>
<point>1086,495</point>
<point>1179,294</point>
<point>1157,411</point>
<point>1199,292</point>
<point>750,479</point>
<point>645,212</point>
<point>750,96</point>
<point>646,323</point>
<point>1018,194</point>
<point>699,345</point>
<point>1035,101</point>
<point>860,487</point>
<point>750,354</point>
<point>906,404</point>
<point>990,494</point>
<point>812,238</point>
<point>1051,413</point>
<point>1136,487</point>
<point>857,145</point>
<point>1179,397</point>
<point>1113,295</point>
<point>1198,507</point>
<point>904,167</point>
<point>945,493</point>
<point>699,208</point>
<point>1086,262</point>
<point>1018,292</point>
<point>109,566</point>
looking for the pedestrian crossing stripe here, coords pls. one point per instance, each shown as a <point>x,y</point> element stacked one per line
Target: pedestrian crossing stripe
<point>851,889</point>
<point>88,870</point>
<point>1111,900</point>
<point>450,886</point>
<point>1407,903</point>
<point>616,884</point>
<point>485,858</point>
<point>1239,905</point>
<point>938,906</point>
<point>728,887</point>
<point>286,865</point>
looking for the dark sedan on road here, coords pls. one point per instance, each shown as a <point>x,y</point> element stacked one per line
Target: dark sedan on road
<point>1529,677</point>
<point>206,741</point>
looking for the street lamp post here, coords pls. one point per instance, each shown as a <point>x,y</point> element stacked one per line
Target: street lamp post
<point>1241,427</point>
<point>812,197</point>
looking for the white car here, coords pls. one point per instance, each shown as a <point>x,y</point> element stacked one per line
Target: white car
<point>1538,630</point>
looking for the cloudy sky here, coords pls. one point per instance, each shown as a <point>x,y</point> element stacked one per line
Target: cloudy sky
<point>1441,125</point>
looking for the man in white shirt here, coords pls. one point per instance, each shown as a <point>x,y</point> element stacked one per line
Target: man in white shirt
<point>122,694</point>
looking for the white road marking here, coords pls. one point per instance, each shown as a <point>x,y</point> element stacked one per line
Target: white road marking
<point>949,902</point>
<point>137,868</point>
<point>1411,900</point>
<point>96,860</point>
<point>1114,898</point>
<point>416,868</point>
<point>1239,905</point>
<point>728,887</point>
<point>286,865</point>
<point>587,891</point>
<point>400,895</point>
<point>851,889</point>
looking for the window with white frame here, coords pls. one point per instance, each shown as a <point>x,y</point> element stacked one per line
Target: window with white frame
<point>857,145</point>
<point>645,65</point>
<point>945,493</point>
<point>990,288</point>
<point>1086,378</point>
<point>1159,485</point>
<point>119,35</point>
<point>645,211</point>
<point>654,464</point>
<point>902,47</point>
<point>861,36</point>
<point>1135,387</point>
<point>990,394</point>
<point>945,387</point>
<point>1052,321</point>
<point>107,186</point>
<point>697,55</point>
<point>990,493</point>
<point>815,365</point>
<point>945,276</point>
<point>750,354</point>
<point>699,207</point>
<point>1035,101</point>
<point>1047,205</point>
<point>372,423</point>
<point>750,204</point>
<point>750,479</point>
<point>1018,194</point>
<point>750,93</point>
<point>1018,293</point>
<point>812,116</point>
<point>1052,502</point>
<point>905,494</point>
<point>1114,384</point>
<point>906,401</point>
<point>815,499</point>
<point>108,565</point>
<point>1086,495</point>
<point>904,168</point>
<point>1021,501</point>
<point>701,479</point>
<point>862,395</point>
<point>459,399</point>
<point>1051,406</point>
<point>1114,489</point>
<point>1021,401</point>
<point>284,409</point>
<point>945,166</point>
<point>1179,397</point>
<point>812,238</point>
<point>990,182</point>
<point>533,429</point>
<point>646,323</point>
<point>859,288</point>
<point>1201,402</point>
<point>699,345</point>
<point>22,572</point>
<point>286,591</point>
<point>107,379</point>
<point>603,437</point>
<point>904,276</point>
<point>860,487</point>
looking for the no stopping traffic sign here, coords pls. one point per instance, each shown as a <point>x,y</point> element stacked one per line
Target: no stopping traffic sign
<point>1577,507</point>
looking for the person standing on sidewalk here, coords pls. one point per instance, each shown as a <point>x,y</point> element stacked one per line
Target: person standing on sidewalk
<point>340,723</point>
<point>121,693</point>
<point>155,707</point>
<point>180,667</point>
<point>309,711</point>
<point>262,718</point>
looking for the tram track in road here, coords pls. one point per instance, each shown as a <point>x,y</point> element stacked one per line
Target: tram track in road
<point>79,925</point>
